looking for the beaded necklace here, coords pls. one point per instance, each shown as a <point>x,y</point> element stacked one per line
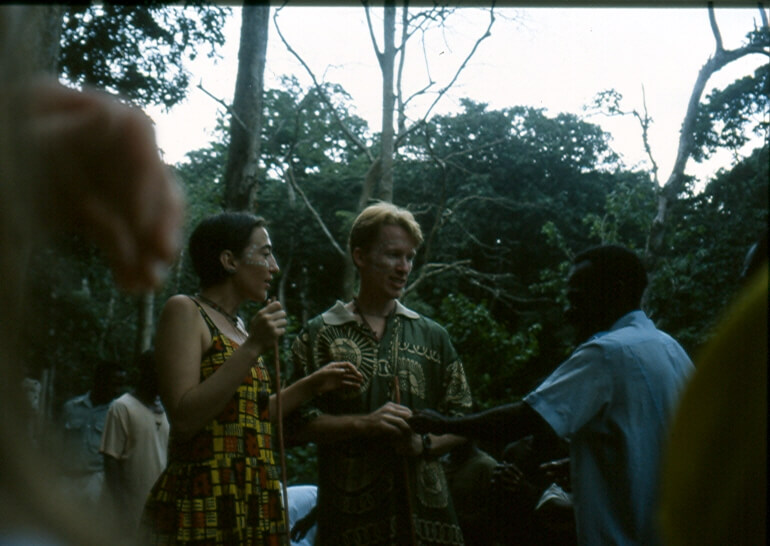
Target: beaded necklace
<point>234,320</point>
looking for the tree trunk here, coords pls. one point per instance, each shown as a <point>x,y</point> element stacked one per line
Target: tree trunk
<point>35,32</point>
<point>241,172</point>
<point>145,326</point>
<point>387,62</point>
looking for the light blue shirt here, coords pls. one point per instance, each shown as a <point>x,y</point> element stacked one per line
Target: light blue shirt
<point>613,400</point>
<point>302,499</point>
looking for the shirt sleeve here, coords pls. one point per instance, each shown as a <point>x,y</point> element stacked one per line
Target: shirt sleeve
<point>115,435</point>
<point>302,366</point>
<point>575,393</point>
<point>457,393</point>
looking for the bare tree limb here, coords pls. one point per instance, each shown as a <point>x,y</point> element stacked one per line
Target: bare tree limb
<point>645,122</point>
<point>289,176</point>
<point>487,34</point>
<point>378,53</point>
<point>321,93</point>
<point>675,182</point>
<point>715,28</point>
<point>431,270</point>
<point>226,106</point>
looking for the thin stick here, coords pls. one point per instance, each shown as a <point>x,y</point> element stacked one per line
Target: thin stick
<point>397,396</point>
<point>281,450</point>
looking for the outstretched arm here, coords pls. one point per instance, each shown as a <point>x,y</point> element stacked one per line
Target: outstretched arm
<point>388,422</point>
<point>503,423</point>
<point>333,376</point>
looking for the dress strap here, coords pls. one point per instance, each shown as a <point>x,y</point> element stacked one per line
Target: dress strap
<point>213,330</point>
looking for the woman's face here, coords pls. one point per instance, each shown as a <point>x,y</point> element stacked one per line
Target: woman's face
<point>256,265</point>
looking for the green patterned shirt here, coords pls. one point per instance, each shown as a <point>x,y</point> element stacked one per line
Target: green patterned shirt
<point>367,493</point>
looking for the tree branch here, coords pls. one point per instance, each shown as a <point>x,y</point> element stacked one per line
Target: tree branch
<point>715,28</point>
<point>324,97</point>
<point>289,176</point>
<point>487,34</point>
<point>227,106</point>
<point>675,182</point>
<point>377,52</point>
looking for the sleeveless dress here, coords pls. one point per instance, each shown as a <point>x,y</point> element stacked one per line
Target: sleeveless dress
<point>222,486</point>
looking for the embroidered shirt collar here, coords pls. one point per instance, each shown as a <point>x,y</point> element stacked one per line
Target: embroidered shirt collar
<point>338,314</point>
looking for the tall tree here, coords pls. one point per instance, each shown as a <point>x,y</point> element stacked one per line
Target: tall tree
<point>758,43</point>
<point>241,172</point>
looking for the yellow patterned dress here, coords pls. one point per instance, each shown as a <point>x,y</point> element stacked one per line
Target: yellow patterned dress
<point>223,485</point>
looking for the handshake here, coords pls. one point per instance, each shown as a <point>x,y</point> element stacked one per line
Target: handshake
<point>429,421</point>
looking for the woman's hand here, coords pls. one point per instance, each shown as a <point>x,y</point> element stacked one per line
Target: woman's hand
<point>267,326</point>
<point>336,375</point>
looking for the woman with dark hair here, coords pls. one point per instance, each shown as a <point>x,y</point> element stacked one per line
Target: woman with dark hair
<point>222,484</point>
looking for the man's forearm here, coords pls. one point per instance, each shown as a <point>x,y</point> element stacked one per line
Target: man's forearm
<point>506,423</point>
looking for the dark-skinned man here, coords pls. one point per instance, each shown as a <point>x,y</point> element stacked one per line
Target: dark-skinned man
<point>612,400</point>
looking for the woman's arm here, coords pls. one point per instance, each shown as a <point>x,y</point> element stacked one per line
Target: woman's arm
<point>181,340</point>
<point>333,376</point>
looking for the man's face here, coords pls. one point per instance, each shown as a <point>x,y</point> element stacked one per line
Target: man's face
<point>385,267</point>
<point>585,310</point>
<point>117,383</point>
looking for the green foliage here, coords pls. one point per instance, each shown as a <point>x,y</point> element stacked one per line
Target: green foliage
<point>628,212</point>
<point>138,50</point>
<point>79,316</point>
<point>492,355</point>
<point>699,271</point>
<point>723,118</point>
<point>302,464</point>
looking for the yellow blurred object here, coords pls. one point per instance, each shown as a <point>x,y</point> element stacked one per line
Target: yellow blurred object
<point>714,478</point>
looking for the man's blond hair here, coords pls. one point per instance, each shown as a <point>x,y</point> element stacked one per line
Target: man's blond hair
<point>366,226</point>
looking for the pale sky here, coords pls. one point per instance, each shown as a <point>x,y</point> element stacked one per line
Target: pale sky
<point>553,58</point>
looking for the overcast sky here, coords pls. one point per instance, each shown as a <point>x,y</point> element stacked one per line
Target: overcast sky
<point>553,58</point>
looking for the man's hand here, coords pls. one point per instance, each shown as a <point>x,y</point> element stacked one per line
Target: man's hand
<point>426,420</point>
<point>389,420</point>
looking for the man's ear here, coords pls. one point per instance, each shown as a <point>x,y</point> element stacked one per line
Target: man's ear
<point>228,261</point>
<point>358,257</point>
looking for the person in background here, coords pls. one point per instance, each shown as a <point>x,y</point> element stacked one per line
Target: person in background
<point>222,483</point>
<point>302,503</point>
<point>612,399</point>
<point>379,483</point>
<point>468,471</point>
<point>528,507</point>
<point>134,445</point>
<point>81,424</point>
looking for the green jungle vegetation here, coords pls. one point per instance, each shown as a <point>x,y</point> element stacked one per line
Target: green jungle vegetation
<point>505,198</point>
